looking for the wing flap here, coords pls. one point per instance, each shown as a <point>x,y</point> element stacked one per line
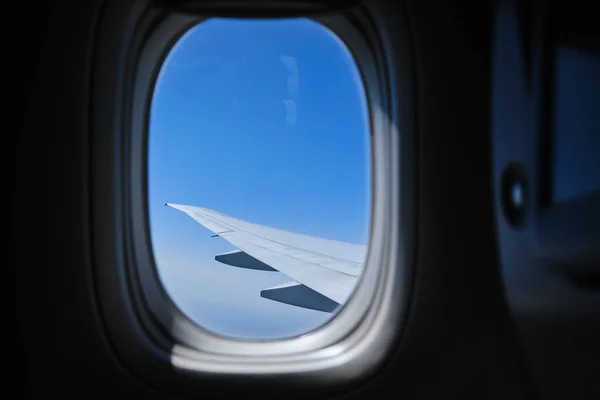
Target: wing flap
<point>297,294</point>
<point>240,259</point>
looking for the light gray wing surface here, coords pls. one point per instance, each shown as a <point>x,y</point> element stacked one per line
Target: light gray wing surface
<point>328,267</point>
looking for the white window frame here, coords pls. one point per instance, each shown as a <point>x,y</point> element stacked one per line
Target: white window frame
<point>144,327</point>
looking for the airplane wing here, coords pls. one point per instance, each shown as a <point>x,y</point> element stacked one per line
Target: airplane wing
<point>325,271</point>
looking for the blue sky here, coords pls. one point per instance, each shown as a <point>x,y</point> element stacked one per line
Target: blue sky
<point>266,121</point>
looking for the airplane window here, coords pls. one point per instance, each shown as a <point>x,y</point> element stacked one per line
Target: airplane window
<point>259,176</point>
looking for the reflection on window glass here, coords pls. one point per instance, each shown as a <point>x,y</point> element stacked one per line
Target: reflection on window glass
<point>259,176</point>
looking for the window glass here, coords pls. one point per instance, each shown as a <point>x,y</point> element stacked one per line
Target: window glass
<point>259,176</point>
